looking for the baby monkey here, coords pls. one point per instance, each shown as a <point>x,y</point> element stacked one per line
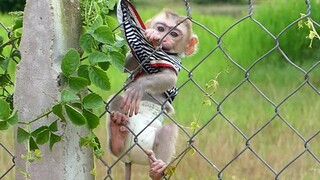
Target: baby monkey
<point>144,98</point>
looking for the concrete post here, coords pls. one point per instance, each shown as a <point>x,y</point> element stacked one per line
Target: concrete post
<point>50,28</point>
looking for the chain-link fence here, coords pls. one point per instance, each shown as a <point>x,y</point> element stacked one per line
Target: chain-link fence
<point>6,153</point>
<point>6,88</point>
<point>235,140</point>
<point>270,145</point>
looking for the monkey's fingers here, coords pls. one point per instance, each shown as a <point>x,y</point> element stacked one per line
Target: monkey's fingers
<point>114,117</point>
<point>152,157</point>
<point>135,103</point>
<point>152,34</point>
<point>137,106</point>
<point>132,106</point>
<point>117,117</point>
<point>157,166</point>
<point>127,100</point>
<point>123,129</point>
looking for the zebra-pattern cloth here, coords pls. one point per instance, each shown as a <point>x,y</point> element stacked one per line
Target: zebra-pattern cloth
<point>150,59</point>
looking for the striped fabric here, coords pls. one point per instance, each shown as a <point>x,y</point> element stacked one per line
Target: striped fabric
<point>151,60</point>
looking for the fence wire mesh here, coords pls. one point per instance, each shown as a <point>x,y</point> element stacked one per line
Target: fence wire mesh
<point>6,153</point>
<point>248,144</point>
<point>6,87</point>
<point>252,146</point>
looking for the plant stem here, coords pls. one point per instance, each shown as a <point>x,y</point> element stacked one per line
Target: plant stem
<point>38,118</point>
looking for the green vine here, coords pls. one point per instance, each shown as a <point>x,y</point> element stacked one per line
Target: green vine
<point>101,46</point>
<point>210,87</point>
<point>9,53</point>
<point>313,34</point>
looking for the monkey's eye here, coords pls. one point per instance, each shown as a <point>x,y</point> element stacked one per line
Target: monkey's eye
<point>160,28</point>
<point>174,34</point>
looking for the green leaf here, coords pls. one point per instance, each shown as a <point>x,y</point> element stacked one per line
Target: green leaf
<point>13,119</point>
<point>4,125</point>
<point>96,7</point>
<point>117,60</point>
<point>32,144</point>
<point>97,23</point>
<point>104,34</point>
<point>99,78</point>
<point>83,71</point>
<point>112,22</point>
<point>96,139</point>
<point>89,141</point>
<point>16,54</point>
<point>75,116</point>
<point>92,120</point>
<point>111,4</point>
<point>17,24</point>
<point>70,62</point>
<point>54,126</point>
<point>104,65</point>
<point>5,110</point>
<point>43,137</point>
<point>5,63</point>
<point>67,96</point>
<point>77,105</point>
<point>53,139</point>
<point>92,101</point>
<point>37,155</point>
<point>57,110</point>
<point>84,141</point>
<point>22,135</point>
<point>36,132</point>
<point>78,83</point>
<point>4,79</point>
<point>87,42</point>
<point>1,42</point>
<point>97,57</point>
<point>120,41</point>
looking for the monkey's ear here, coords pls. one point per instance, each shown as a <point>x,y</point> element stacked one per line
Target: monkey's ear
<point>192,45</point>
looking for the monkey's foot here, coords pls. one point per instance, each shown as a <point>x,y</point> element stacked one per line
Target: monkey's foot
<point>118,132</point>
<point>119,118</point>
<point>157,166</point>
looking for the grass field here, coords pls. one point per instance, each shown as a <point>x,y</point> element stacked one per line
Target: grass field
<point>277,144</point>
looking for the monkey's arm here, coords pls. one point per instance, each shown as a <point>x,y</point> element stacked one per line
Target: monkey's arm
<point>151,83</point>
<point>130,63</point>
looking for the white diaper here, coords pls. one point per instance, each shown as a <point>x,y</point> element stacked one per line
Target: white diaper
<point>148,112</point>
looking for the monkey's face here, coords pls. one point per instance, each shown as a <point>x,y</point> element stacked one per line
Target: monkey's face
<point>170,37</point>
<point>173,38</point>
<point>179,39</point>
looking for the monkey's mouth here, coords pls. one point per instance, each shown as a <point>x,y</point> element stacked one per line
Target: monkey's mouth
<point>166,47</point>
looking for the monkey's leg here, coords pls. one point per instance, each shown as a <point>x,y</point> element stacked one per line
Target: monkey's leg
<point>164,149</point>
<point>165,141</point>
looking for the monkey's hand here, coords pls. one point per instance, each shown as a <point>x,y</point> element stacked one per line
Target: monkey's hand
<point>132,98</point>
<point>119,118</point>
<point>156,83</point>
<point>157,166</point>
<point>152,36</point>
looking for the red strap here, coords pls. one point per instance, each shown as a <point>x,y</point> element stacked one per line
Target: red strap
<point>136,14</point>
